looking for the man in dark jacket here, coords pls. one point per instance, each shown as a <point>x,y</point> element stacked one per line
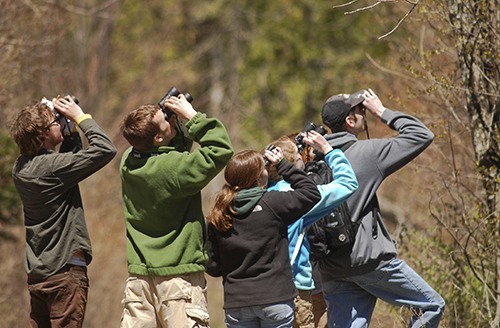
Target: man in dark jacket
<point>355,276</point>
<point>57,241</point>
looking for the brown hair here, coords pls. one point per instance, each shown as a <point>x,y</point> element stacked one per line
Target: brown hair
<point>138,127</point>
<point>289,150</point>
<point>242,172</point>
<point>29,126</point>
<point>340,127</point>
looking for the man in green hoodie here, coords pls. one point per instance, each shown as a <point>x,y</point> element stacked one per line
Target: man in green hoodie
<point>161,185</point>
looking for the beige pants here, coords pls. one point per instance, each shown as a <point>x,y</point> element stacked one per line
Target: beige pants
<point>319,309</point>
<point>168,302</point>
<point>304,317</point>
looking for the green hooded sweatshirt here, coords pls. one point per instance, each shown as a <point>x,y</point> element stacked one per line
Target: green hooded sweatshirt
<point>162,199</point>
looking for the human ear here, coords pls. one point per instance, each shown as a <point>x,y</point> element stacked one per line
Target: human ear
<point>158,139</point>
<point>349,121</point>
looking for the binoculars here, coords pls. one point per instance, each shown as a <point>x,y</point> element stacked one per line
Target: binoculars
<point>173,92</point>
<point>310,126</point>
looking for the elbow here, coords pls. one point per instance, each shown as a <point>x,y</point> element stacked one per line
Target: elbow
<point>352,183</point>
<point>111,152</point>
<point>429,137</point>
<point>106,154</point>
<point>316,197</point>
<point>424,139</point>
<point>354,186</point>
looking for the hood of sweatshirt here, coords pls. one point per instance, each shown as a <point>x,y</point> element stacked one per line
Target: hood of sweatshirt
<point>339,139</point>
<point>246,199</point>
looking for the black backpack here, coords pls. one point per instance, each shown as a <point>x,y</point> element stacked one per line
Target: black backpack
<point>335,229</point>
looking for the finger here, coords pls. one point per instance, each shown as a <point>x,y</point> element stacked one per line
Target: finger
<point>69,99</point>
<point>314,133</point>
<point>63,102</point>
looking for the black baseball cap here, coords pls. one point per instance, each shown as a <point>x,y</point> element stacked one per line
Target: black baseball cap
<point>336,108</point>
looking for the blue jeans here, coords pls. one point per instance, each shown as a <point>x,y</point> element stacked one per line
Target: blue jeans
<point>351,301</point>
<point>278,315</point>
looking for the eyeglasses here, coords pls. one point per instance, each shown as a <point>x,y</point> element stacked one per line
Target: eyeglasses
<point>55,121</point>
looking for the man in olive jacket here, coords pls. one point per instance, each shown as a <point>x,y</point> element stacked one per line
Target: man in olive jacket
<point>57,241</point>
<point>161,185</point>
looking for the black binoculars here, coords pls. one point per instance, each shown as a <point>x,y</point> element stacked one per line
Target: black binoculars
<point>173,92</point>
<point>266,160</point>
<point>310,126</point>
<point>60,116</point>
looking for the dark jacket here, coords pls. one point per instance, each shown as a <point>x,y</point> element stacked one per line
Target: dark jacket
<point>252,257</point>
<point>53,211</point>
<point>373,160</point>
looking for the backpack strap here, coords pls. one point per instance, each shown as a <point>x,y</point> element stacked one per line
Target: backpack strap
<point>297,246</point>
<point>375,213</point>
<point>375,210</point>
<point>138,154</point>
<point>347,145</point>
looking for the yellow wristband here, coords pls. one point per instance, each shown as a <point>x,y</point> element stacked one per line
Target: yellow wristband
<point>82,117</point>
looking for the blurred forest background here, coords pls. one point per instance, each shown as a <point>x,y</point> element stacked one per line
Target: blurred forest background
<point>265,68</point>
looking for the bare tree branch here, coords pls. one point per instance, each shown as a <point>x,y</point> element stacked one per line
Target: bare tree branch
<point>444,99</point>
<point>389,71</point>
<point>375,4</point>
<point>363,8</point>
<point>400,21</point>
<point>345,4</point>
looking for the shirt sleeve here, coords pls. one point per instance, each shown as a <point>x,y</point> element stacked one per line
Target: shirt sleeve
<point>394,153</point>
<point>343,185</point>
<point>71,168</point>
<point>291,205</point>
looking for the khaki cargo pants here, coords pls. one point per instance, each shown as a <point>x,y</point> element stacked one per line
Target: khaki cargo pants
<point>168,302</point>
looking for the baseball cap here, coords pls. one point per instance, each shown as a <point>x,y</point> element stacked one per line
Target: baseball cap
<point>337,107</point>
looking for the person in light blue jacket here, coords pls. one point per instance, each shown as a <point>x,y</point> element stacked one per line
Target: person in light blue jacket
<point>344,184</point>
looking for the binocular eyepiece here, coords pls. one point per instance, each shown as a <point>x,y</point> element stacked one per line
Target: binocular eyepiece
<point>310,126</point>
<point>266,160</point>
<point>173,92</point>
<point>60,116</point>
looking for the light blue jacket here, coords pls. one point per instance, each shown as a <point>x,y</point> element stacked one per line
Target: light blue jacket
<point>333,194</point>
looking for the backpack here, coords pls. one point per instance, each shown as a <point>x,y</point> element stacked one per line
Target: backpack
<point>335,229</point>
